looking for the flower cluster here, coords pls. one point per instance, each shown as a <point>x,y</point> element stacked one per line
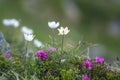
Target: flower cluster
<point>87,64</point>
<point>41,54</point>
<point>85,77</point>
<point>52,50</point>
<point>99,60</point>
<point>7,55</point>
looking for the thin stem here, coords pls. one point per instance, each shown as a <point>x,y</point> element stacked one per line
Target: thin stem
<point>88,51</point>
<point>62,43</point>
<point>26,53</point>
<point>53,40</point>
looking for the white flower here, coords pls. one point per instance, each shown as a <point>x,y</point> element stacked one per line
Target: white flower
<point>38,43</point>
<point>63,60</point>
<point>28,37</point>
<point>63,31</point>
<point>11,22</point>
<point>53,24</point>
<point>26,30</point>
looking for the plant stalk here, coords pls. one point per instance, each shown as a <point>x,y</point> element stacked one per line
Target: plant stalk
<point>88,51</point>
<point>25,55</point>
<point>62,44</point>
<point>53,40</point>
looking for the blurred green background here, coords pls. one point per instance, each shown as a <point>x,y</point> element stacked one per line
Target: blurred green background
<point>96,21</point>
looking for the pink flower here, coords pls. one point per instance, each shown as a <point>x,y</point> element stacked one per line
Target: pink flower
<point>41,54</point>
<point>87,64</point>
<point>85,77</point>
<point>99,60</point>
<point>52,50</point>
<point>7,55</point>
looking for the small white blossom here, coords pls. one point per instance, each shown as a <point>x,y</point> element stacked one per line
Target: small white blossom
<point>11,22</point>
<point>53,24</point>
<point>63,60</point>
<point>38,43</point>
<point>28,37</point>
<point>26,30</point>
<point>63,31</point>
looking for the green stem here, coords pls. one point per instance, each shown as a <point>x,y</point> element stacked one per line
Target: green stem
<point>53,40</point>
<point>62,43</point>
<point>26,52</point>
<point>88,51</point>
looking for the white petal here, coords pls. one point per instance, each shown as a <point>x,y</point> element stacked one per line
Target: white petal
<point>57,24</point>
<point>11,22</point>
<point>66,31</point>
<point>61,31</point>
<point>26,30</point>
<point>28,37</point>
<point>53,24</point>
<point>14,23</point>
<point>6,22</point>
<point>38,43</point>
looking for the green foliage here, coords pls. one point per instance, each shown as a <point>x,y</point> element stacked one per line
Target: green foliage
<point>71,69</point>
<point>53,68</point>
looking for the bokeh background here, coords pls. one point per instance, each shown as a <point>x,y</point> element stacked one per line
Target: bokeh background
<point>96,21</point>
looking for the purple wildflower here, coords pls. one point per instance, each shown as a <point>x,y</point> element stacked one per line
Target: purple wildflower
<point>85,77</point>
<point>7,55</point>
<point>99,60</point>
<point>52,50</point>
<point>41,54</point>
<point>87,64</point>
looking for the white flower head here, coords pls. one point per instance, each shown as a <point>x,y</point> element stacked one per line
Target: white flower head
<point>26,30</point>
<point>28,37</point>
<point>38,43</point>
<point>63,31</point>
<point>53,24</point>
<point>11,22</point>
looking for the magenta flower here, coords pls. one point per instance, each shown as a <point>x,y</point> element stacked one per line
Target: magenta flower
<point>52,50</point>
<point>41,54</point>
<point>7,55</point>
<point>99,60</point>
<point>85,77</point>
<point>87,64</point>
